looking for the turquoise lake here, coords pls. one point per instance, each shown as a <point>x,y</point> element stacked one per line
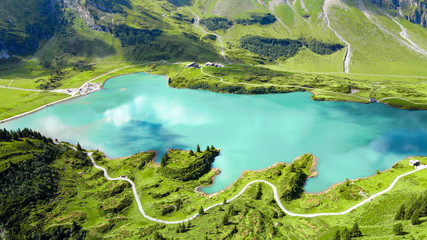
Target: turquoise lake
<point>139,112</point>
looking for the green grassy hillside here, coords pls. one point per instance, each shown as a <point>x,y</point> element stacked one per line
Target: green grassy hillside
<point>60,194</point>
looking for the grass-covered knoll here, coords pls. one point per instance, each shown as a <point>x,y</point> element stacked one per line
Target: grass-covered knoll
<point>185,166</point>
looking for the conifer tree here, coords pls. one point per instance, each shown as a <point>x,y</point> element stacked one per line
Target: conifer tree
<point>355,231</point>
<point>398,229</point>
<point>400,214</point>
<point>234,230</point>
<point>225,201</point>
<point>231,210</point>
<point>337,235</point>
<point>415,218</point>
<point>201,210</point>
<point>198,148</point>
<point>79,148</point>
<point>207,149</point>
<point>212,148</point>
<point>258,194</point>
<point>164,160</point>
<point>191,153</point>
<point>345,234</point>
<point>225,219</point>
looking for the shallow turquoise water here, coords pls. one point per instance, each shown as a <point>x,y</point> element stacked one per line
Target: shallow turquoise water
<point>139,112</point>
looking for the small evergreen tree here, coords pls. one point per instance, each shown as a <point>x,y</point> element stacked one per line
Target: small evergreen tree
<point>207,149</point>
<point>345,234</point>
<point>400,214</point>
<point>291,168</point>
<point>201,210</point>
<point>225,219</point>
<point>79,148</point>
<point>415,218</point>
<point>191,153</point>
<point>258,194</point>
<point>398,229</point>
<point>14,136</point>
<point>212,148</point>
<point>198,148</point>
<point>157,236</point>
<point>225,201</point>
<point>337,235</point>
<point>231,210</point>
<point>164,160</point>
<point>355,231</point>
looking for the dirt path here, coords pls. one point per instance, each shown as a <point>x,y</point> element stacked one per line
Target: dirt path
<point>275,192</point>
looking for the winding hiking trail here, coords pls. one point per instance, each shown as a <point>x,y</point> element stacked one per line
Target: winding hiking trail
<point>276,196</point>
<point>347,57</point>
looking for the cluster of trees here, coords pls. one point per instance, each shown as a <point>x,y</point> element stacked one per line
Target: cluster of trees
<point>294,177</point>
<point>130,36</point>
<point>182,18</point>
<point>320,47</point>
<point>11,135</point>
<point>73,231</point>
<point>271,47</point>
<point>276,48</point>
<point>261,19</point>
<point>24,185</point>
<point>200,164</point>
<point>346,234</point>
<point>416,209</point>
<point>215,23</point>
<point>237,89</point>
<point>210,37</point>
<point>182,228</point>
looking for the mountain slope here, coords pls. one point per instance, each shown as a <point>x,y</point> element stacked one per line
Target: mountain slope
<point>66,32</point>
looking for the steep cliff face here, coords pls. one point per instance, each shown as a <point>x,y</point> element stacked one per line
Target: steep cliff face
<point>414,11</point>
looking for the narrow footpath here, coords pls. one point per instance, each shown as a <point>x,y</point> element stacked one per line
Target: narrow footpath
<point>276,197</point>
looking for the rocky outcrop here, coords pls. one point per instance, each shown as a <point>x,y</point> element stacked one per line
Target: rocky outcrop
<point>83,12</point>
<point>414,11</point>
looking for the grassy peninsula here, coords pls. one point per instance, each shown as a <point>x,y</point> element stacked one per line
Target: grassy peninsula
<point>70,198</point>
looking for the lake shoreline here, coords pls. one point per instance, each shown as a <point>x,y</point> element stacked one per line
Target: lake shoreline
<point>167,83</point>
